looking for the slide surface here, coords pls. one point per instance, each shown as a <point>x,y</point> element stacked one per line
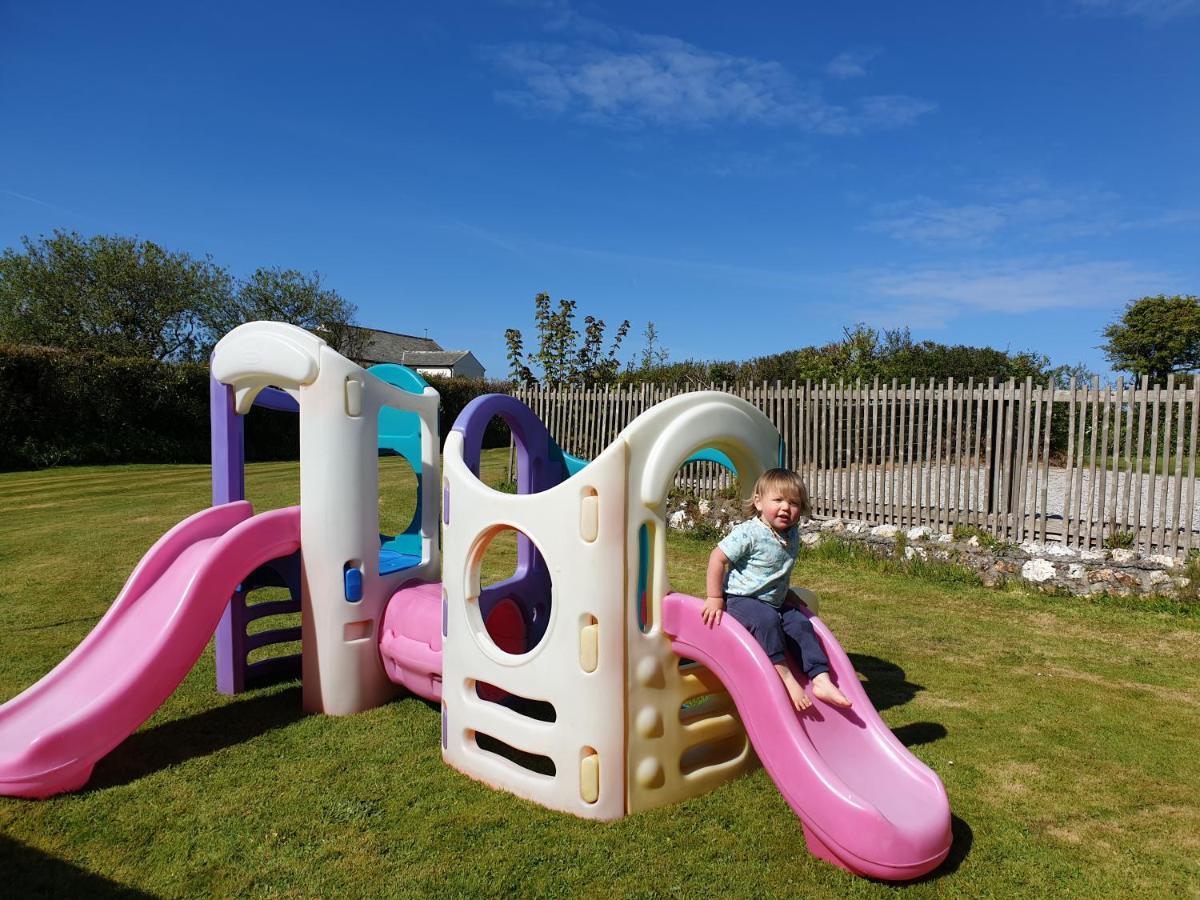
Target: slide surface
<point>866,803</point>
<point>53,733</point>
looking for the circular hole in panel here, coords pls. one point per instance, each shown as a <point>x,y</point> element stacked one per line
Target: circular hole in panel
<point>399,522</point>
<point>512,582</point>
<point>397,494</point>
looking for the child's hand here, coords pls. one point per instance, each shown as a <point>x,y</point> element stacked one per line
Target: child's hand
<point>711,614</point>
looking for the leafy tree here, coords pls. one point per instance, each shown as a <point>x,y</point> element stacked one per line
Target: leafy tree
<point>1060,376</point>
<point>863,354</point>
<point>562,359</point>
<point>518,372</point>
<point>129,298</point>
<point>653,353</point>
<point>929,359</point>
<point>112,294</point>
<point>286,295</point>
<point>1156,336</point>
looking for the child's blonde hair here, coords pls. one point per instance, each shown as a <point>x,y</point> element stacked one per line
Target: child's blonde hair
<point>788,483</point>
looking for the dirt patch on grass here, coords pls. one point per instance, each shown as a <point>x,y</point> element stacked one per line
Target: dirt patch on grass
<point>1183,643</point>
<point>939,701</point>
<point>1015,779</point>
<point>1172,695</point>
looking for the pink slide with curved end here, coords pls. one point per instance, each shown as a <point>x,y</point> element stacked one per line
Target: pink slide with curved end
<point>866,803</point>
<point>52,734</point>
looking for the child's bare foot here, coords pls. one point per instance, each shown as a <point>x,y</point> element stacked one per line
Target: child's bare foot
<point>799,699</point>
<point>823,688</point>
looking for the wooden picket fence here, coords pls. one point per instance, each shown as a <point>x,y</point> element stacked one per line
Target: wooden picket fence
<point>1085,465</point>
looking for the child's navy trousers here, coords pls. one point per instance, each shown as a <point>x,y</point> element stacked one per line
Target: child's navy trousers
<point>779,630</point>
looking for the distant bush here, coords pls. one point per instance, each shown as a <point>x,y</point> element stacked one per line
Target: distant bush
<point>863,354</point>
<point>64,407</point>
<point>69,408</point>
<point>456,393</point>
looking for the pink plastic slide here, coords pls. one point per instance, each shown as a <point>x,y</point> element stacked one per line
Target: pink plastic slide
<point>52,734</point>
<point>866,803</point>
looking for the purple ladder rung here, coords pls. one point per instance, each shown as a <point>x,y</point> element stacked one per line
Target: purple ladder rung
<point>256,611</point>
<point>274,636</point>
<point>275,668</point>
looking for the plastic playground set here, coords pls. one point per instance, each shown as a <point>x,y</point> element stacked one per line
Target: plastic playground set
<point>582,682</point>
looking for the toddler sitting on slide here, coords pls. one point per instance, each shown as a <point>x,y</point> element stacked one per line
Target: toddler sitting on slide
<point>759,555</point>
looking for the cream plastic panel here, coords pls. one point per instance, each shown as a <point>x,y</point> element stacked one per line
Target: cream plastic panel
<point>339,525</point>
<point>339,501</point>
<point>586,741</point>
<point>670,759</point>
<point>259,354</point>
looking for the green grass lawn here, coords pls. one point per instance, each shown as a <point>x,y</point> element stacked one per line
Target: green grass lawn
<point>1067,733</point>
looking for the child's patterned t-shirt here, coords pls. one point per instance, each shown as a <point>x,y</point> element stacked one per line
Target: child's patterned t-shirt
<point>760,561</point>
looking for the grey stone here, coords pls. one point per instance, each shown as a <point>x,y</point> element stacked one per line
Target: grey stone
<point>1061,551</point>
<point>1038,570</point>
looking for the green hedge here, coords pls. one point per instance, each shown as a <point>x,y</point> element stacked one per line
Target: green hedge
<point>456,393</point>
<point>64,408</point>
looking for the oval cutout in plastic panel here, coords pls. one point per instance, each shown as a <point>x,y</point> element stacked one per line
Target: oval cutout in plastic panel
<point>532,762</point>
<point>589,516</point>
<point>539,710</point>
<point>589,776</point>
<point>589,644</point>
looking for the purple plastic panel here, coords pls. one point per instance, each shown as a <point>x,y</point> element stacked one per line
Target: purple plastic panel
<point>228,462</point>
<point>228,484</point>
<point>537,470</point>
<point>234,673</point>
<point>273,398</point>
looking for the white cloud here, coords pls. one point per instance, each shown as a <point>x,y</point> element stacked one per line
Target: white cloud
<point>1026,208</point>
<point>1156,12</point>
<point>934,295</point>
<point>27,198</point>
<point>925,221</point>
<point>850,64</point>
<point>637,80</point>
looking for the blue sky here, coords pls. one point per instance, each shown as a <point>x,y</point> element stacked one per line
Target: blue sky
<point>750,177</point>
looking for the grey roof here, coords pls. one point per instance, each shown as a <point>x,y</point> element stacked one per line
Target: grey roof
<point>387,346</point>
<point>433,358</point>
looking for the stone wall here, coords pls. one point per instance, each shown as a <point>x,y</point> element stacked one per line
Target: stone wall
<point>1050,566</point>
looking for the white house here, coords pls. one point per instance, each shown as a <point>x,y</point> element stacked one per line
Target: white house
<point>421,353</point>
